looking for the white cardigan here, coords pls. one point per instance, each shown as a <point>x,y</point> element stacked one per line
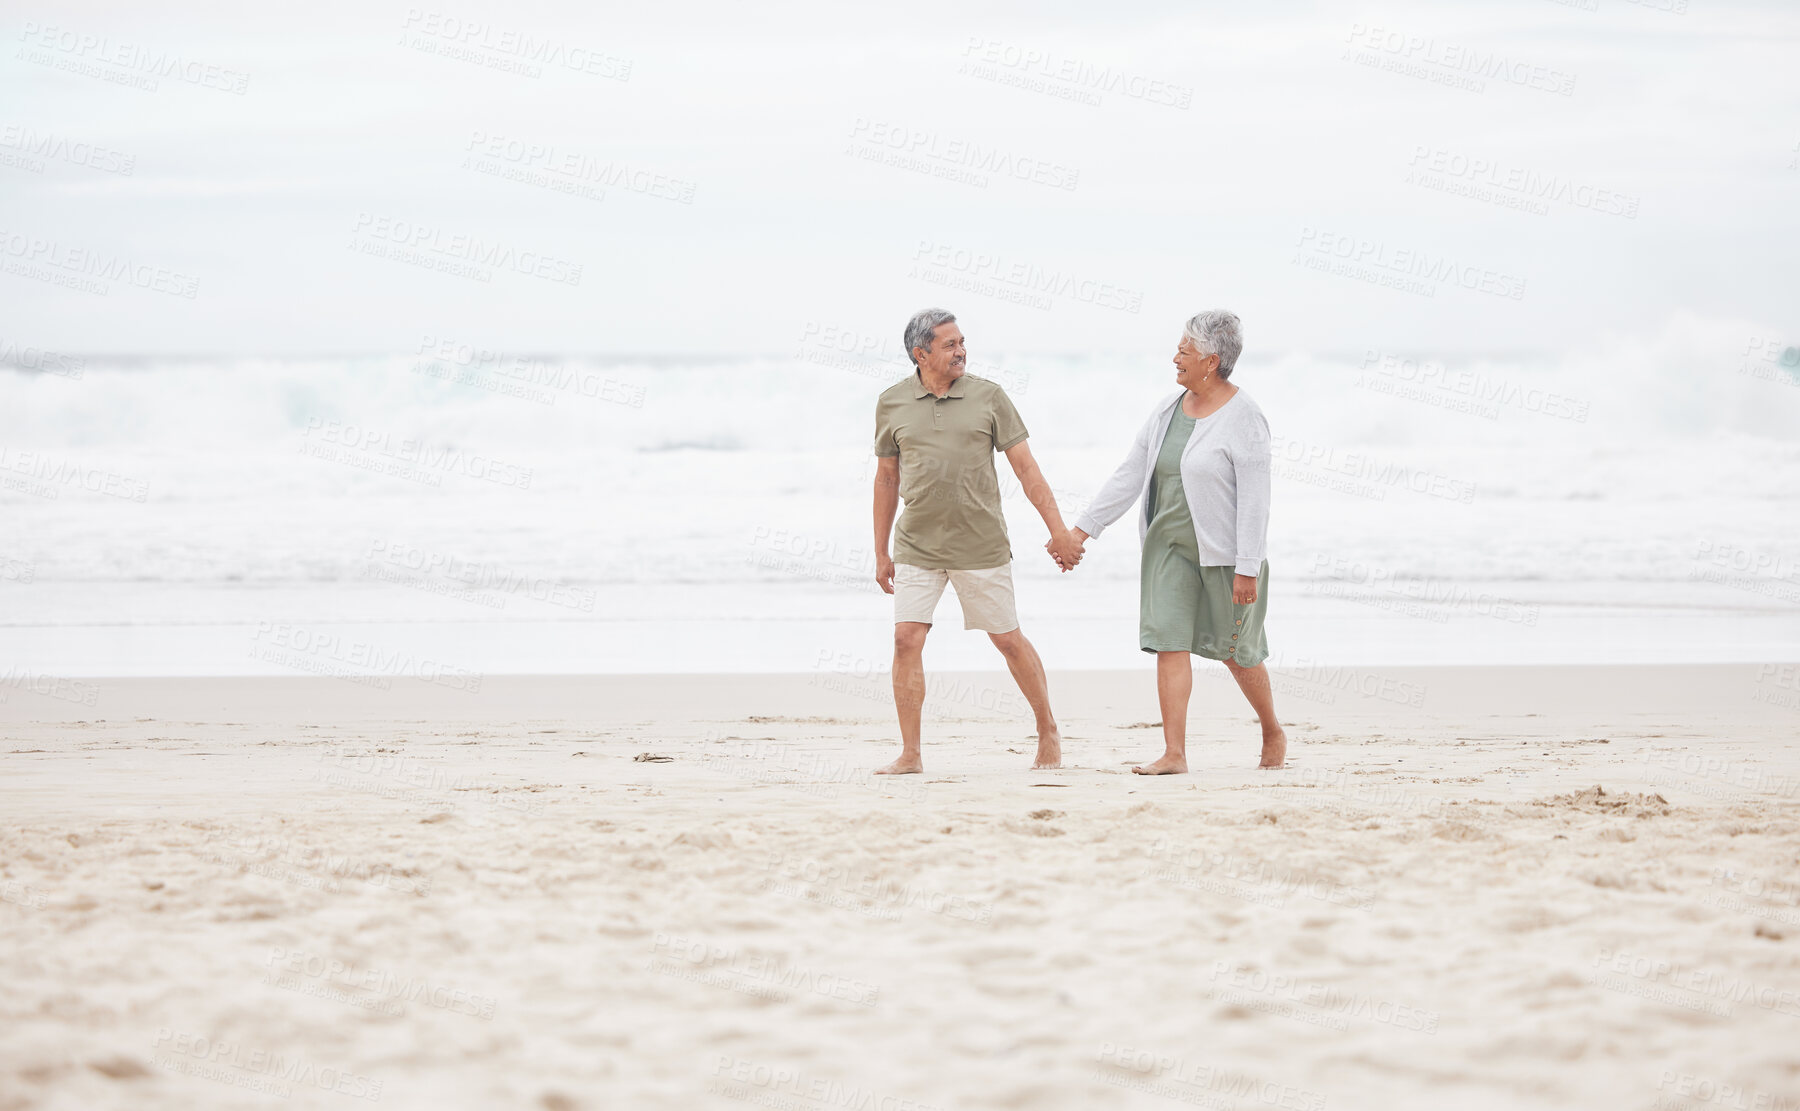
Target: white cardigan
<point>1224,472</point>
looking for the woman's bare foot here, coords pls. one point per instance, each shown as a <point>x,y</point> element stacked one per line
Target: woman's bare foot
<point>1167,765</point>
<point>1274,753</point>
<point>1049,753</point>
<point>906,765</point>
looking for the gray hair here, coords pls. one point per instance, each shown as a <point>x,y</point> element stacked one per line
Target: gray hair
<point>1217,332</point>
<point>923,327</point>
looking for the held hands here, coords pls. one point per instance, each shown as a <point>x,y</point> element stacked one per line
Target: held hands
<point>1066,548</point>
<point>1243,589</point>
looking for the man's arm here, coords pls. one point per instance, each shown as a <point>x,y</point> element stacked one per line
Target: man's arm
<point>887,503</point>
<point>1037,489</point>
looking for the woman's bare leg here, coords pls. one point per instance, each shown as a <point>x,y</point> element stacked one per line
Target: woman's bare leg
<point>1174,684</point>
<point>1254,682</point>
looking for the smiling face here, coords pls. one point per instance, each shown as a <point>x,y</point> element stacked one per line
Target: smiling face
<point>947,357</point>
<point>1191,367</point>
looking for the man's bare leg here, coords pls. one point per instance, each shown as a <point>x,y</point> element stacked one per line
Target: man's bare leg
<point>1174,685</point>
<point>1028,671</point>
<point>909,693</point>
<point>1254,682</point>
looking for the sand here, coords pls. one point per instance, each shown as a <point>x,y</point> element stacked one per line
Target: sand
<point>1472,887</point>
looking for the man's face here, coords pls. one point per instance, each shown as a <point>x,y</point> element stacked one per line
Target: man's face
<point>947,357</point>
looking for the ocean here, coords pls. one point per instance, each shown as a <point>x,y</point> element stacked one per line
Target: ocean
<point>451,513</point>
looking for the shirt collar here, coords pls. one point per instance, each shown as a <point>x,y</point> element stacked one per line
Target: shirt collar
<point>955,390</point>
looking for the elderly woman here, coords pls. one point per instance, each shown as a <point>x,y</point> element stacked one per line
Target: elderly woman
<point>1201,466</point>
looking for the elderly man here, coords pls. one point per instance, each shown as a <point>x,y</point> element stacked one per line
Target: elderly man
<point>936,432</point>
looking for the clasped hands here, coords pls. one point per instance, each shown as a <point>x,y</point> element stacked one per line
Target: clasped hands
<point>1066,548</point>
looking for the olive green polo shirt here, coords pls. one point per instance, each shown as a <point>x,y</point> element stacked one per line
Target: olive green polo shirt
<point>946,446</point>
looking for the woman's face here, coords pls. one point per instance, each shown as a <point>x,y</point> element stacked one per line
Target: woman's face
<point>1191,367</point>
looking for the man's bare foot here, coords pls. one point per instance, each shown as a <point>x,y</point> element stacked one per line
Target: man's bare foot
<point>1168,765</point>
<point>1049,753</point>
<point>1274,753</point>
<point>906,765</point>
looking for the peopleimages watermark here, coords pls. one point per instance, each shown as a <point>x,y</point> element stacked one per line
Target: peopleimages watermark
<point>1771,360</point>
<point>800,555</point>
<point>253,1069</point>
<point>1202,1083</point>
<point>767,762</point>
<point>964,161</point>
<point>1490,180</point>
<point>457,254</point>
<point>1707,991</point>
<point>1407,269</point>
<point>17,570</point>
<point>504,49</point>
<point>848,887</point>
<point>416,781</point>
<point>368,987</point>
<point>325,868</point>
<point>21,895</point>
<point>1310,680</point>
<point>879,356</point>
<point>1189,865</point>
<point>1447,63</point>
<point>121,61</point>
<point>1354,795</point>
<point>480,581</point>
<point>361,662</point>
<point>1684,1091</point>
<point>1767,573</point>
<point>1422,596</point>
<point>1754,896</point>
<point>47,476</point>
<point>1043,71</point>
<point>561,170</point>
<point>1464,391</point>
<point>1699,772</point>
<point>374,449</point>
<point>1312,1002</point>
<point>1360,473</point>
<point>1015,280</point>
<point>40,360</point>
<point>766,977</point>
<point>778,1086</point>
<point>86,270</point>
<point>32,151</point>
<point>79,691</point>
<point>526,377</point>
<point>862,677</point>
<point>1777,685</point>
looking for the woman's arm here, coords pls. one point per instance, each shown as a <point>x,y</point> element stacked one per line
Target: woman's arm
<point>1120,492</point>
<point>1251,461</point>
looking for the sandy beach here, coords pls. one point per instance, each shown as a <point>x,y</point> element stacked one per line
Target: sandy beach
<point>1501,887</point>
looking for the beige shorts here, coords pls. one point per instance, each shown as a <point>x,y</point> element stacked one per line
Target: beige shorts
<point>986,596</point>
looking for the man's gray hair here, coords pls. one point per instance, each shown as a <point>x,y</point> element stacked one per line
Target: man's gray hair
<point>1217,332</point>
<point>922,327</point>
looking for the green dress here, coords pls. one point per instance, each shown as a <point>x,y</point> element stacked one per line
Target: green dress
<point>1184,607</point>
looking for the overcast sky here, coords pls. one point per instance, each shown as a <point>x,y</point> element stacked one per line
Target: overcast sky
<point>341,177</point>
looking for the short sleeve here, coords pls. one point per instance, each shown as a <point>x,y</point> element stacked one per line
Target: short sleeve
<point>1009,429</point>
<point>887,445</point>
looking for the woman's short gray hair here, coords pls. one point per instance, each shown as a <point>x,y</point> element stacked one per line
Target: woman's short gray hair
<point>1217,332</point>
<point>922,328</point>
